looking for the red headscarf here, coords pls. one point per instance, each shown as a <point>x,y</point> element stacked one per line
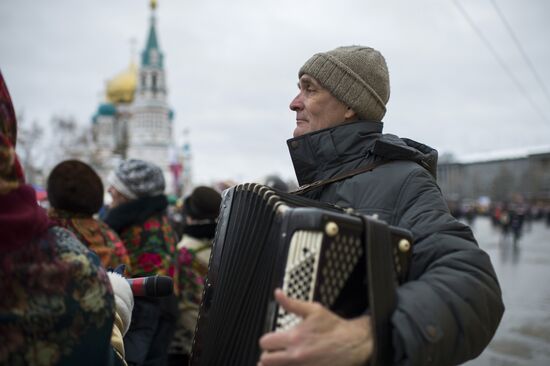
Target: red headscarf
<point>21,219</point>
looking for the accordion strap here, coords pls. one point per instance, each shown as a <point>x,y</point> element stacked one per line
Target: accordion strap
<point>319,183</point>
<point>382,287</point>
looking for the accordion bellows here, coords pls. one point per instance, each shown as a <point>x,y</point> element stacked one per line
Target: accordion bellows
<point>267,239</point>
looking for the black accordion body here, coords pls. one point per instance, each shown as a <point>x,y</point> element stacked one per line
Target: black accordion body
<point>313,251</point>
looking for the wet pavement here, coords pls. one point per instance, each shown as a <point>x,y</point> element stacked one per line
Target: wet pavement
<point>523,337</point>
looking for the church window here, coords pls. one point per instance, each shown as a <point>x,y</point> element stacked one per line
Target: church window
<point>154,82</point>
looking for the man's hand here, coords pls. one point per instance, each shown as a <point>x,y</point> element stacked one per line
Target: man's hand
<point>322,338</point>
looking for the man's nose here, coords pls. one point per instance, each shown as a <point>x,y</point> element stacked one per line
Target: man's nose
<point>296,104</point>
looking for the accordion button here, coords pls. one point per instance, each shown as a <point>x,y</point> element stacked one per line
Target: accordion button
<point>404,245</point>
<point>331,229</point>
<point>432,333</point>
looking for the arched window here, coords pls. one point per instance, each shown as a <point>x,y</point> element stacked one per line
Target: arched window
<point>143,81</point>
<point>154,82</point>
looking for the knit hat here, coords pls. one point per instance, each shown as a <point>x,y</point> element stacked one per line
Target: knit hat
<point>355,75</point>
<point>75,187</point>
<point>203,203</point>
<point>137,178</point>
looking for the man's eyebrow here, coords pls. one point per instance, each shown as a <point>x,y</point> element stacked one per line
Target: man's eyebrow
<point>310,81</point>
<point>305,82</point>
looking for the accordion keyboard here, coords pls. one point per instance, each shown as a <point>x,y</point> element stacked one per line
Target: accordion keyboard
<point>300,273</point>
<point>317,269</point>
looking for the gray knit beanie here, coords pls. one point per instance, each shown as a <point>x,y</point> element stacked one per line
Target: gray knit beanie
<point>137,178</point>
<point>355,75</point>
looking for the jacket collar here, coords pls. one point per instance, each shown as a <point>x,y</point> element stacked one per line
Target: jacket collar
<point>135,212</point>
<point>325,153</point>
<point>322,153</point>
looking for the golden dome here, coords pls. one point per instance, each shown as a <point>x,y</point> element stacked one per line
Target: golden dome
<point>122,87</point>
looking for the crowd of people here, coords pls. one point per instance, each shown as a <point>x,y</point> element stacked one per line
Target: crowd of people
<point>65,300</point>
<point>512,217</point>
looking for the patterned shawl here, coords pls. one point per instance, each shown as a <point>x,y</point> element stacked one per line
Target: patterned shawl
<point>21,219</point>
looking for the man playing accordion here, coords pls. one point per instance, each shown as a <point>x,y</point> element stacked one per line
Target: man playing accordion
<point>451,305</point>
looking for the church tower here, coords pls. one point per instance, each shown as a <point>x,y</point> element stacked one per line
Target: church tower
<point>150,127</point>
<point>135,121</point>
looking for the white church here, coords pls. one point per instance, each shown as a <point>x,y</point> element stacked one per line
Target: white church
<point>136,121</point>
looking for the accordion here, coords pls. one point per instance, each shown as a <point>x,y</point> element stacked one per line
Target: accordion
<point>314,251</point>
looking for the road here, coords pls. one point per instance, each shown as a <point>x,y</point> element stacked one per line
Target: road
<point>523,337</point>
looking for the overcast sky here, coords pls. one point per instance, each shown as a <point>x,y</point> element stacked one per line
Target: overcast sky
<point>232,67</point>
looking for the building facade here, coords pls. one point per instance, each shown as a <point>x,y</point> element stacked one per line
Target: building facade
<point>135,121</point>
<point>527,175</point>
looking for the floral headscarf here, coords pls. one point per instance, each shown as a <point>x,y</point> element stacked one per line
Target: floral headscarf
<point>21,219</point>
<point>11,173</point>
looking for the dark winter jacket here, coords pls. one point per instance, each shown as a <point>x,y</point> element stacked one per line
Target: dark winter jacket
<point>151,242</point>
<point>451,305</point>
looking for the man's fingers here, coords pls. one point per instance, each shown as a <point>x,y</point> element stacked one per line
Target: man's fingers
<point>298,307</point>
<point>274,341</point>
<point>274,358</point>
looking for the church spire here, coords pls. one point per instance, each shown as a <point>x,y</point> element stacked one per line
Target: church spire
<point>151,55</point>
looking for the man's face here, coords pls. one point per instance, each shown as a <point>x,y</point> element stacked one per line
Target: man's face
<point>316,108</point>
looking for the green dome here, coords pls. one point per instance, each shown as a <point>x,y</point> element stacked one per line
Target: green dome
<point>106,109</point>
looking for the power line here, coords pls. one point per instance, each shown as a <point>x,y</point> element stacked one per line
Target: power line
<point>500,60</point>
<point>521,50</point>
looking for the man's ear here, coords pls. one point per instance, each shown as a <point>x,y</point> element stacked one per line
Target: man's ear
<point>350,114</point>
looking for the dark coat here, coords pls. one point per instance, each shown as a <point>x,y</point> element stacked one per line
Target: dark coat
<point>450,308</point>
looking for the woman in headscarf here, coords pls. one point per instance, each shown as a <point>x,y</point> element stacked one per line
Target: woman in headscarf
<point>75,192</point>
<point>56,305</point>
<point>138,214</point>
